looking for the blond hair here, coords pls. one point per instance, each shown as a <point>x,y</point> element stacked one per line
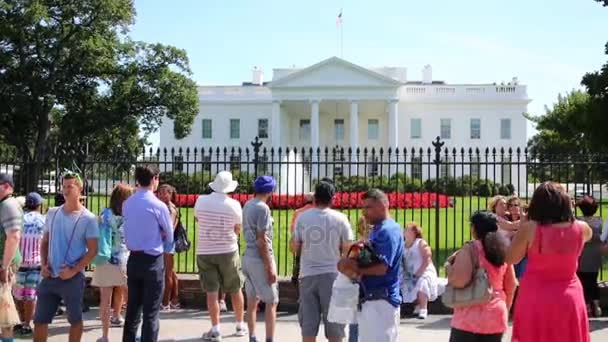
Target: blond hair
<point>494,202</point>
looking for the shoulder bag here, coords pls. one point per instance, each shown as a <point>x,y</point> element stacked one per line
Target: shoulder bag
<point>478,291</point>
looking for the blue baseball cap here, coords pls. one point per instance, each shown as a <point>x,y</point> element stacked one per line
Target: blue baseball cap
<point>5,178</point>
<point>264,184</point>
<point>33,199</point>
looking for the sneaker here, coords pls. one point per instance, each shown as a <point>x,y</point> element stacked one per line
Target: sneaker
<point>26,330</point>
<point>241,330</point>
<point>423,314</point>
<point>164,308</point>
<point>117,321</point>
<point>597,310</point>
<point>223,307</point>
<point>213,336</point>
<point>416,310</point>
<point>176,306</point>
<point>102,339</point>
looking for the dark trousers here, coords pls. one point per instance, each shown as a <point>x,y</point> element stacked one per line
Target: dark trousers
<point>146,281</point>
<point>590,287</point>
<point>465,336</point>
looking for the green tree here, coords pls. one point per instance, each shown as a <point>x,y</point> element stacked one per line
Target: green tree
<point>69,72</point>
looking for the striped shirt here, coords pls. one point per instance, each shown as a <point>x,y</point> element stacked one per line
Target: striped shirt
<point>33,230</point>
<point>217,214</point>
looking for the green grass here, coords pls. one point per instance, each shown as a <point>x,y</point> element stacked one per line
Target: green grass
<point>452,233</point>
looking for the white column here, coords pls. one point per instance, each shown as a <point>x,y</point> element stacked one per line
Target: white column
<point>275,124</point>
<point>354,125</point>
<point>314,124</point>
<point>393,123</point>
<point>354,136</point>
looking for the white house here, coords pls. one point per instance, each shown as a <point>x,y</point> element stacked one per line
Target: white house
<point>337,103</point>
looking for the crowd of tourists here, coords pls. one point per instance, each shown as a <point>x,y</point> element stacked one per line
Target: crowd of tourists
<point>539,262</point>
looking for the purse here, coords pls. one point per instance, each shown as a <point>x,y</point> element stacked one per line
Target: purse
<point>180,237</point>
<point>478,291</point>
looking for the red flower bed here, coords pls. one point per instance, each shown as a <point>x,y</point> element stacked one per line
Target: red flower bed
<point>342,200</point>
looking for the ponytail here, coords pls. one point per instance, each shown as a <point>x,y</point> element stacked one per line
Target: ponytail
<point>495,248</point>
<point>485,225</point>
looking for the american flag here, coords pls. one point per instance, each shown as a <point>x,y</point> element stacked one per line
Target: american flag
<point>339,19</point>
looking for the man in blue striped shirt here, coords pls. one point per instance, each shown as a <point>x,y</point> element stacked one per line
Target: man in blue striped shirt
<point>147,225</point>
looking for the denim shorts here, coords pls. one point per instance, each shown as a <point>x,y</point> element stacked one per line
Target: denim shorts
<point>27,280</point>
<point>51,291</point>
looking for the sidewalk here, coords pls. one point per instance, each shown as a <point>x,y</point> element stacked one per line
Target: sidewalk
<point>188,325</point>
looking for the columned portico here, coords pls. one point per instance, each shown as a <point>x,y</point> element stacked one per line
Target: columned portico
<point>354,124</point>
<point>276,124</point>
<point>314,124</point>
<point>393,123</point>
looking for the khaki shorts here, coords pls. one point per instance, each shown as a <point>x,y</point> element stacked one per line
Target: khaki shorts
<point>220,271</point>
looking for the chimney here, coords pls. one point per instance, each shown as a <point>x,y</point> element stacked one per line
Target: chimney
<point>515,81</point>
<point>427,74</point>
<point>257,76</point>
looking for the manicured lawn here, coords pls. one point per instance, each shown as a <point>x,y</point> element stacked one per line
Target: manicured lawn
<point>453,232</point>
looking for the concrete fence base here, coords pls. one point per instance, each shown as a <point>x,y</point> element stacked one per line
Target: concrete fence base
<point>191,296</point>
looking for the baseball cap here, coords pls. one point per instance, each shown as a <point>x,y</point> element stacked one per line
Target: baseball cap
<point>6,178</point>
<point>33,199</point>
<point>264,184</point>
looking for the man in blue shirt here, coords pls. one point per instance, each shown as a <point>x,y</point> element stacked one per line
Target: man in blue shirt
<point>147,225</point>
<point>69,244</point>
<point>379,316</point>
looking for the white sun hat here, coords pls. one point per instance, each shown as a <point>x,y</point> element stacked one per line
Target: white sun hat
<point>223,183</point>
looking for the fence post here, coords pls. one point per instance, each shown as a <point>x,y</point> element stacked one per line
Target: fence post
<point>437,144</point>
<point>256,143</point>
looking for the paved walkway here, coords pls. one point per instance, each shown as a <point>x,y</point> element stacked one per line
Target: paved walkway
<point>188,325</point>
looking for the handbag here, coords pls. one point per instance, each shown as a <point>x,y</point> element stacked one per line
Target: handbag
<point>364,253</point>
<point>180,237</point>
<point>478,291</point>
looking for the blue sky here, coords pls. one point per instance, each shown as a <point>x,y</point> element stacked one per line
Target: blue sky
<point>549,45</point>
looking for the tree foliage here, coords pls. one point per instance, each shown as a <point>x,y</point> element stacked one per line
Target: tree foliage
<point>69,72</point>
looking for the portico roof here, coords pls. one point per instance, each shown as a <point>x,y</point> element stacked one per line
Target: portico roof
<point>334,72</point>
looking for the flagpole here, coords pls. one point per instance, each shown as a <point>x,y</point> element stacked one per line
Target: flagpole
<point>342,41</point>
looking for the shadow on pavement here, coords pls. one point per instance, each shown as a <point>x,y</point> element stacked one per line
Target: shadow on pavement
<point>440,324</point>
<point>596,324</point>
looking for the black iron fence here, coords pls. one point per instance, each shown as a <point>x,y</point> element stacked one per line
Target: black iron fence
<point>438,186</point>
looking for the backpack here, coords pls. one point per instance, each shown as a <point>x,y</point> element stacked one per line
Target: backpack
<point>180,237</point>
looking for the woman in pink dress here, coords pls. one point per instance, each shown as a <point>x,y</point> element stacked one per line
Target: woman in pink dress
<point>550,304</point>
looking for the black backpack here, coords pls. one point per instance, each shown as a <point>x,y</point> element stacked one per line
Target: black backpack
<point>182,244</point>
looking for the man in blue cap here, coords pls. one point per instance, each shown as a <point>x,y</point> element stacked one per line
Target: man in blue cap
<point>259,267</point>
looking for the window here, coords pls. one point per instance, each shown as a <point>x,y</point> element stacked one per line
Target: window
<point>307,163</point>
<point>262,165</point>
<point>304,129</point>
<point>235,163</point>
<point>505,128</point>
<point>415,128</point>
<point>372,170</point>
<point>446,129</point>
<point>263,128</point>
<point>338,157</point>
<point>445,169</point>
<point>178,163</point>
<point>235,129</point>
<point>505,170</point>
<point>206,163</point>
<point>206,128</point>
<point>416,167</point>
<point>339,129</point>
<point>475,167</point>
<point>372,129</point>
<point>475,128</point>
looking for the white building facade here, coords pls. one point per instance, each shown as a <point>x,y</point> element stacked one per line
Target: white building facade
<point>337,103</point>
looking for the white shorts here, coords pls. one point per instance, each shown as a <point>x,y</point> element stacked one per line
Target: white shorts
<point>379,322</point>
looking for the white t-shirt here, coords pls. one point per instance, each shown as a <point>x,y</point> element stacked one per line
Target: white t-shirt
<point>322,233</point>
<point>216,215</point>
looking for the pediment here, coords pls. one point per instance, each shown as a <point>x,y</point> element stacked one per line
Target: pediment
<point>334,72</point>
